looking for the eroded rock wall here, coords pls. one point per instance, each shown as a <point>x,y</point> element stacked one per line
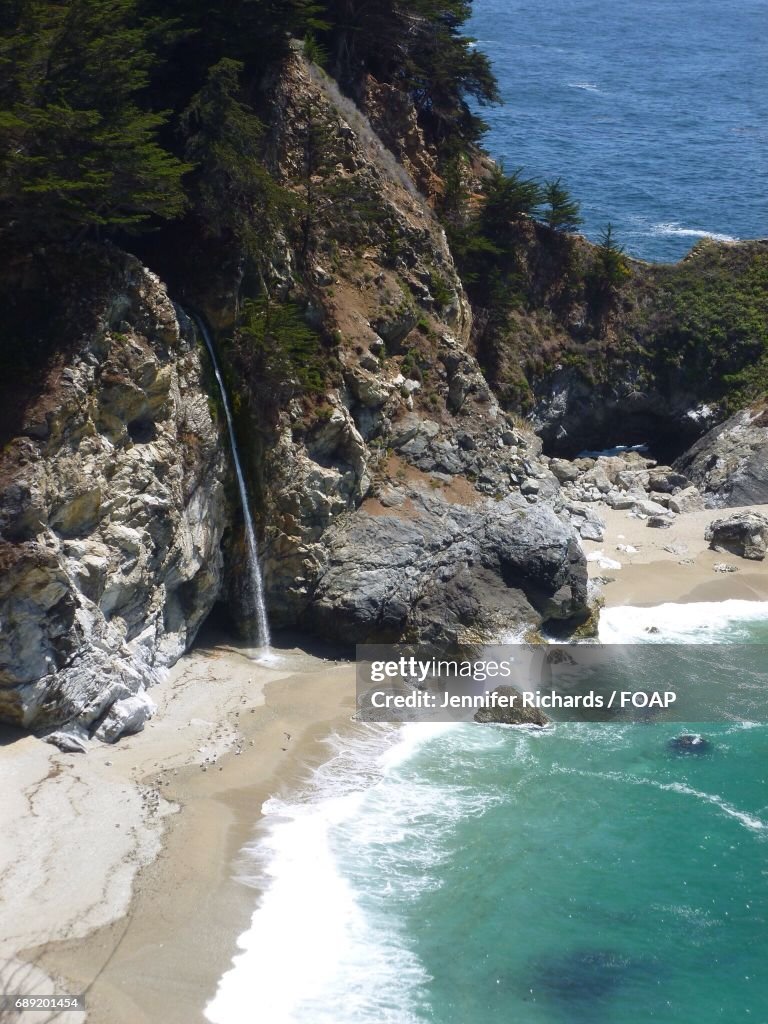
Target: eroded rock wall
<point>112,511</point>
<point>730,463</point>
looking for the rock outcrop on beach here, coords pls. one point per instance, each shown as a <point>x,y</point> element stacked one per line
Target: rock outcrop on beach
<point>744,533</point>
<point>424,570</point>
<point>654,359</point>
<point>730,463</point>
<point>409,428</point>
<point>113,505</point>
<point>112,512</point>
<point>629,481</point>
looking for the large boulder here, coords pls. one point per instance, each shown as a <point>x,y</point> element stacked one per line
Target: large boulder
<point>126,717</point>
<point>730,463</point>
<point>687,500</point>
<point>448,575</point>
<point>745,534</point>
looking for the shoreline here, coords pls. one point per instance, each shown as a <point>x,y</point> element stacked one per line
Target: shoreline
<point>183,798</point>
<point>133,850</point>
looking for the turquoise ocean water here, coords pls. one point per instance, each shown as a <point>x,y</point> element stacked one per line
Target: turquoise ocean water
<point>460,874</point>
<point>654,112</point>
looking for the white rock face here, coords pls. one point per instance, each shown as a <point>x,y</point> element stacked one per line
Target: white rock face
<point>111,517</point>
<point>126,717</point>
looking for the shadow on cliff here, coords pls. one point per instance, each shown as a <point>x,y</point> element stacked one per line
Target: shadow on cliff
<point>220,630</point>
<point>49,305</point>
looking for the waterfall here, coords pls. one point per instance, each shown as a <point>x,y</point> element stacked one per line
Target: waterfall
<point>254,570</point>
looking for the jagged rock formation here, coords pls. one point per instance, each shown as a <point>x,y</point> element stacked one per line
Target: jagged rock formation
<point>112,513</point>
<point>446,574</point>
<point>112,505</point>
<point>512,712</point>
<point>730,463</point>
<point>656,363</point>
<point>572,413</point>
<point>401,502</point>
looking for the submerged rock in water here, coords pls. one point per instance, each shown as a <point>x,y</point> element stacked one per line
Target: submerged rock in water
<point>583,976</point>
<point>690,743</point>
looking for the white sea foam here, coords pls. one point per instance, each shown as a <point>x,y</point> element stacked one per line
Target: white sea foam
<point>749,821</point>
<point>585,86</point>
<point>320,948</point>
<point>673,229</point>
<point>617,449</point>
<point>696,623</point>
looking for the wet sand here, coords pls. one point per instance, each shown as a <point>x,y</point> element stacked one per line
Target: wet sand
<point>117,867</point>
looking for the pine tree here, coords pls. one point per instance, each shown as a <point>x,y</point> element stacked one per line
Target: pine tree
<point>611,263</point>
<point>278,354</point>
<point>418,46</point>
<point>508,199</point>
<point>77,152</point>
<point>609,271</point>
<point>562,212</point>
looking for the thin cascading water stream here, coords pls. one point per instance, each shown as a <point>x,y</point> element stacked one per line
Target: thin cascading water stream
<point>254,568</point>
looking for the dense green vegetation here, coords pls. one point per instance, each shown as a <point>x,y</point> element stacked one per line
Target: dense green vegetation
<point>115,115</point>
<point>145,122</point>
<point>276,354</point>
<point>79,151</point>
<point>709,319</point>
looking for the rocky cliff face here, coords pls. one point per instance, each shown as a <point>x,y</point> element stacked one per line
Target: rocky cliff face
<point>730,463</point>
<point>400,504</point>
<point>393,511</point>
<point>112,513</point>
<point>659,363</point>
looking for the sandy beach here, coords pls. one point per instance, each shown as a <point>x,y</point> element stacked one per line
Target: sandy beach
<point>117,867</point>
<point>674,565</point>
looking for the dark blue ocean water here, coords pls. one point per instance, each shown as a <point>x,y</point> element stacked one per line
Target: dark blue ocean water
<point>654,112</point>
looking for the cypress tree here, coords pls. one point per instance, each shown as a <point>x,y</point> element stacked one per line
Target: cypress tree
<point>562,212</point>
<point>77,152</point>
<point>233,195</point>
